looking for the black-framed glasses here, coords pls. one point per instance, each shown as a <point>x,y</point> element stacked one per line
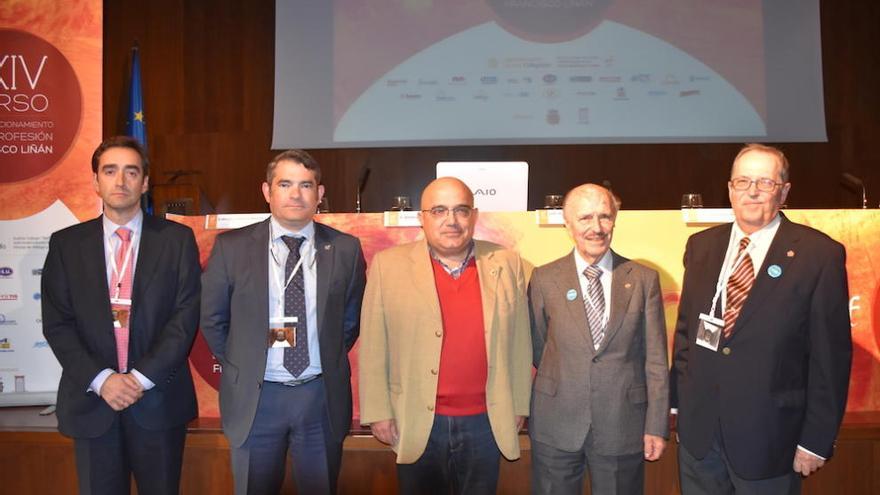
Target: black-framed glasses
<point>460,211</point>
<point>765,185</point>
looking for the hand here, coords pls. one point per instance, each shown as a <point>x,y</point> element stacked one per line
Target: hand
<point>520,420</point>
<point>806,463</point>
<point>385,431</point>
<point>119,392</point>
<point>654,446</point>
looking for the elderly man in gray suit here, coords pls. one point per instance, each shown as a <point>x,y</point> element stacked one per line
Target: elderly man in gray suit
<point>600,398</point>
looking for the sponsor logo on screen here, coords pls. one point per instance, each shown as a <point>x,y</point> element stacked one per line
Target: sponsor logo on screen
<point>581,79</point>
<point>6,272</point>
<point>8,297</point>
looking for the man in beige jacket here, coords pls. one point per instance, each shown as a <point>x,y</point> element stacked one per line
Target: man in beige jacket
<point>445,352</point>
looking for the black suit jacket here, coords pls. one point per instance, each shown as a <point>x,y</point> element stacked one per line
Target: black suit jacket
<point>235,318</point>
<point>781,378</point>
<point>78,325</point>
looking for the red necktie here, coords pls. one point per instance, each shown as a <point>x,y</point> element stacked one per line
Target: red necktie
<point>122,290</point>
<point>738,286</point>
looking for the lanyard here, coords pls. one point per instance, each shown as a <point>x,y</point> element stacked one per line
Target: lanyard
<point>277,276</point>
<point>726,272</point>
<point>116,272</point>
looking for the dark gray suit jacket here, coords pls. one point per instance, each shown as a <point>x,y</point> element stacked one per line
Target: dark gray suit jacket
<point>619,392</point>
<point>235,318</point>
<point>78,325</point>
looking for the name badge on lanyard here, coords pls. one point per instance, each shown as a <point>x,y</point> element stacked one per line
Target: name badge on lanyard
<point>282,332</point>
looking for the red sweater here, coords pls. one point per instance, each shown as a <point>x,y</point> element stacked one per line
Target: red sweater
<point>461,384</point>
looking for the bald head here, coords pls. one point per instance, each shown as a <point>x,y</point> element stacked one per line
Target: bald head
<point>584,191</point>
<point>445,186</point>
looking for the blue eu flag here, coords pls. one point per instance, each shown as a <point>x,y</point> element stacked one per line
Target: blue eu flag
<point>135,125</point>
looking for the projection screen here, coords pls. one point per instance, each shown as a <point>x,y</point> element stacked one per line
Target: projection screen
<point>358,73</point>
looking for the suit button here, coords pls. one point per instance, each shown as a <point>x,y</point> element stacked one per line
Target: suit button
<point>438,333</point>
<point>433,372</point>
<point>726,351</point>
<point>431,407</point>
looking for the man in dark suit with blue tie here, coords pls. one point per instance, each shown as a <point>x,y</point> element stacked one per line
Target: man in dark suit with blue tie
<point>281,305</point>
<point>762,351</point>
<point>120,297</point>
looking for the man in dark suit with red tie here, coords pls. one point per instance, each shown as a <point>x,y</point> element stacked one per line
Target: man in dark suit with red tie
<point>120,297</point>
<point>762,349</point>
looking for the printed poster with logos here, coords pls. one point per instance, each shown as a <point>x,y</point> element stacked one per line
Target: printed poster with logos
<point>50,121</point>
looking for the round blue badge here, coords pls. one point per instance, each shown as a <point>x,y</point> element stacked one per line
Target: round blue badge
<point>571,295</point>
<point>774,271</point>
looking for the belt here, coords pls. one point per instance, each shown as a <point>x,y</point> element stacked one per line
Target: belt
<point>299,381</point>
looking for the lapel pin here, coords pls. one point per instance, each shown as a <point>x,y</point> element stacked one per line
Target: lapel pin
<point>327,247</point>
<point>571,295</point>
<point>627,285</point>
<point>790,253</point>
<point>774,270</point>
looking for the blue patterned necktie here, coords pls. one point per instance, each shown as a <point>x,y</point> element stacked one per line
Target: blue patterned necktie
<point>296,359</point>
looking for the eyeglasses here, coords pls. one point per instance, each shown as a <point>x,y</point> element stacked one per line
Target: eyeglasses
<point>744,183</point>
<point>461,211</point>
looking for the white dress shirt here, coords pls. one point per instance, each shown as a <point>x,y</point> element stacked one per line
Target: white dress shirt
<point>278,251</point>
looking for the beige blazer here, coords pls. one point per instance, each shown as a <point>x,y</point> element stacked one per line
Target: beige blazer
<point>402,333</point>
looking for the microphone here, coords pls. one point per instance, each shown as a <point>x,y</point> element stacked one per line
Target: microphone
<point>853,181</point>
<point>362,181</point>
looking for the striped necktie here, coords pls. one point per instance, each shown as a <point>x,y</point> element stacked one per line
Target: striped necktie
<point>738,286</point>
<point>594,302</point>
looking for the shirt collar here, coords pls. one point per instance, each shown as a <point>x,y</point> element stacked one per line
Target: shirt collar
<point>134,225</point>
<point>605,262</point>
<point>764,234</point>
<point>460,268</point>
<point>277,231</point>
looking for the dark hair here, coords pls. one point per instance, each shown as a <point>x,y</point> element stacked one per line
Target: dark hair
<point>297,156</point>
<point>121,142</point>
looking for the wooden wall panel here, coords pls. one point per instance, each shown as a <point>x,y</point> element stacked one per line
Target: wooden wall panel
<point>208,89</point>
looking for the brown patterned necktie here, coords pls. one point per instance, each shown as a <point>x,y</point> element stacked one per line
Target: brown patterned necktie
<point>738,286</point>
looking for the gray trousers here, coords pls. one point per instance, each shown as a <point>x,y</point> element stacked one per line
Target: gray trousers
<point>556,472</point>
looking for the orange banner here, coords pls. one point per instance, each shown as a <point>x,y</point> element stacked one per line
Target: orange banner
<point>50,121</point>
<point>655,238</point>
